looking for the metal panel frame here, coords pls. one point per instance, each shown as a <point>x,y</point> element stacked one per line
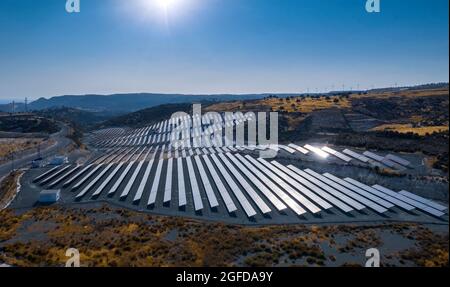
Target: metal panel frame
<point>206,183</point>
<point>317,187</point>
<point>263,207</point>
<point>248,208</point>
<point>279,205</point>
<point>198,204</point>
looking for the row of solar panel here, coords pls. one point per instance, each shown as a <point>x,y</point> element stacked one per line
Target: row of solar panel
<point>283,186</point>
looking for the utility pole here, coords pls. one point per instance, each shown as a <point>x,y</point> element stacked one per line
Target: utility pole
<point>26,105</point>
<point>39,150</point>
<point>12,162</point>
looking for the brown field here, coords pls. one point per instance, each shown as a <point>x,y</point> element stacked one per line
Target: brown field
<point>8,188</point>
<point>289,105</point>
<point>9,145</point>
<point>406,94</point>
<point>409,128</point>
<point>108,236</point>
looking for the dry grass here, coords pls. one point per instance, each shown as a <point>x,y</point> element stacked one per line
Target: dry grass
<point>289,105</point>
<point>8,188</point>
<point>114,237</point>
<point>409,128</point>
<point>9,145</point>
<point>307,104</point>
<point>406,94</point>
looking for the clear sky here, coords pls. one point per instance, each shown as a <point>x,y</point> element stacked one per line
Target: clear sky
<point>218,46</point>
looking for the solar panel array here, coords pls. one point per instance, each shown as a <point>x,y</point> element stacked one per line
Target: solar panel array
<point>193,132</point>
<point>143,167</point>
<point>240,183</point>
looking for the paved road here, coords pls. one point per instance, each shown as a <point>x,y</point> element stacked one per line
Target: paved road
<point>60,142</point>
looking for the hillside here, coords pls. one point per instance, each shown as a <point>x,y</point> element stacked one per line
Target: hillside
<point>123,103</point>
<point>81,118</point>
<point>407,120</point>
<point>27,123</point>
<point>146,116</point>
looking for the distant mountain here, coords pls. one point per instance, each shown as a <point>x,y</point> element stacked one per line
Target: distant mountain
<point>124,103</point>
<point>146,116</point>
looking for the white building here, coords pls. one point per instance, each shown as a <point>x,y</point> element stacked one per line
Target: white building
<point>49,196</point>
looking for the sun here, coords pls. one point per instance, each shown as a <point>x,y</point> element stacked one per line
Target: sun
<point>165,4</point>
<point>166,12</point>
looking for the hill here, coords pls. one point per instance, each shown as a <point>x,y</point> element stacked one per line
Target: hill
<point>146,116</point>
<point>81,118</point>
<point>124,103</point>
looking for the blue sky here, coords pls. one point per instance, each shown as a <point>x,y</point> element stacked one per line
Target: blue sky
<point>218,46</point>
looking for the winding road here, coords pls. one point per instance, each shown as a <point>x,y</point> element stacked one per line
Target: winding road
<point>61,141</point>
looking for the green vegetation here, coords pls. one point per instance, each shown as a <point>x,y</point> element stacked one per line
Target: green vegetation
<point>27,124</point>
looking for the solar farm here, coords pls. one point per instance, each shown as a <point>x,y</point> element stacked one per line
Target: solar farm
<point>142,169</point>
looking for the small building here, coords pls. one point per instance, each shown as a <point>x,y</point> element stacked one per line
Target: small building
<point>37,163</point>
<point>59,160</point>
<point>49,196</point>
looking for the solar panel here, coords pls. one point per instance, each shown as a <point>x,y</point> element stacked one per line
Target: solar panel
<point>398,160</point>
<point>297,181</point>
<point>121,178</point>
<point>350,193</point>
<point>361,191</point>
<point>410,201</point>
<point>234,188</point>
<point>154,189</point>
<point>198,204</point>
<point>144,179</point>
<point>317,186</point>
<point>131,181</point>
<point>347,196</point>
<point>107,180</point>
<point>64,176</point>
<point>206,183</point>
<point>317,151</point>
<point>423,200</point>
<point>83,180</point>
<point>287,183</point>
<point>272,198</point>
<point>373,156</point>
<point>246,186</point>
<point>285,186</point>
<point>336,154</point>
<point>143,182</point>
<point>93,182</point>
<point>376,192</point>
<point>45,174</point>
<point>168,185</point>
<point>86,168</point>
<point>288,149</point>
<point>181,186</point>
<point>55,174</point>
<point>231,207</point>
<point>296,208</point>
<point>356,155</point>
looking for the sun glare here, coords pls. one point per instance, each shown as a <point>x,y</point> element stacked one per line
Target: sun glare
<point>166,12</point>
<point>165,4</point>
